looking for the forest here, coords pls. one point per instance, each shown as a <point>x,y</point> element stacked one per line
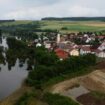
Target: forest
<point>75,18</point>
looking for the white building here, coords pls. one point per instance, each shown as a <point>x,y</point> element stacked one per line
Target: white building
<point>85,50</point>
<point>38,45</point>
<point>101,54</point>
<point>102,46</point>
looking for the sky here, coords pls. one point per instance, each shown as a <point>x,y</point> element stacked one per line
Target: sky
<point>37,9</point>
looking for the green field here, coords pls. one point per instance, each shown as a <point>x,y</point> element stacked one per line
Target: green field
<point>74,26</point>
<point>71,26</point>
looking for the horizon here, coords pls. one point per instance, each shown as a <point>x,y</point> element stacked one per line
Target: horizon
<point>51,17</point>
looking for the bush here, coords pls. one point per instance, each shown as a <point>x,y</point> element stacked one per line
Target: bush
<point>56,99</point>
<point>64,28</point>
<point>24,99</point>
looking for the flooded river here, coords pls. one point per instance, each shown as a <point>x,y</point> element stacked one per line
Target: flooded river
<point>11,80</point>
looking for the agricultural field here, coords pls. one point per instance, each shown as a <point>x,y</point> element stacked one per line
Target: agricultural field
<point>69,26</point>
<point>63,26</point>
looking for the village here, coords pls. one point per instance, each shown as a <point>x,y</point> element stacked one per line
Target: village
<point>73,44</point>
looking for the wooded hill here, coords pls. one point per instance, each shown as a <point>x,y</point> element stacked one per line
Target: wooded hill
<point>75,18</point>
<point>2,21</point>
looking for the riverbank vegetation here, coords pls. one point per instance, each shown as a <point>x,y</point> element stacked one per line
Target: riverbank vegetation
<point>56,99</point>
<point>19,50</point>
<point>44,99</point>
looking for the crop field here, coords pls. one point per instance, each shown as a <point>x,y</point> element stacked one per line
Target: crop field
<point>63,26</point>
<point>69,26</point>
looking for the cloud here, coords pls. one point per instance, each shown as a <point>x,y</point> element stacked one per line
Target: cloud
<point>83,11</point>
<point>29,9</point>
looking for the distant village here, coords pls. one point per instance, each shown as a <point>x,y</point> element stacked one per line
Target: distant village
<point>73,44</point>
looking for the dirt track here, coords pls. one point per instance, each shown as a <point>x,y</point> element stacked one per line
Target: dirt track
<point>93,81</point>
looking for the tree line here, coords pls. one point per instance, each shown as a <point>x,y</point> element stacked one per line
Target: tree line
<point>75,18</point>
<point>48,66</point>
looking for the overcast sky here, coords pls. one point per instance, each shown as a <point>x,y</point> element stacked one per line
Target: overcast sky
<point>36,9</point>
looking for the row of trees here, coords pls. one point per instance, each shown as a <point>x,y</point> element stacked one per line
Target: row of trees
<point>74,19</point>
<point>19,50</point>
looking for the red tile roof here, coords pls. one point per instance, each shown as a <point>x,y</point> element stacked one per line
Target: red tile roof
<point>61,53</point>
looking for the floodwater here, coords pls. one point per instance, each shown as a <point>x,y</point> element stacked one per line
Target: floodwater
<point>11,80</point>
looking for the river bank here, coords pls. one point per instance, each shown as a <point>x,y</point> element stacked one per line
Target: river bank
<point>11,100</point>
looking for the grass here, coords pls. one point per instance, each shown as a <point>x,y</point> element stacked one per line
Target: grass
<point>56,99</point>
<point>84,28</point>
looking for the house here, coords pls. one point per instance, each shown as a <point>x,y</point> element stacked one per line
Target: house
<point>61,53</point>
<point>47,45</point>
<point>38,45</point>
<point>102,46</point>
<point>85,50</point>
<point>101,54</point>
<point>74,52</point>
<point>88,40</point>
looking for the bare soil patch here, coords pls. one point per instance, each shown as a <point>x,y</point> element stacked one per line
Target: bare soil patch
<point>88,99</point>
<point>95,81</point>
<point>101,65</point>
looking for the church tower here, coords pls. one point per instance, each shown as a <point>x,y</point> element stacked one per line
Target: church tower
<point>58,38</point>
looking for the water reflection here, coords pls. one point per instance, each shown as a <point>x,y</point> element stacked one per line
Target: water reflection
<point>3,42</point>
<point>11,80</point>
<point>12,73</point>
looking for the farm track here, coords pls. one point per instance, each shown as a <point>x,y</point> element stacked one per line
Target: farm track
<point>93,81</point>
